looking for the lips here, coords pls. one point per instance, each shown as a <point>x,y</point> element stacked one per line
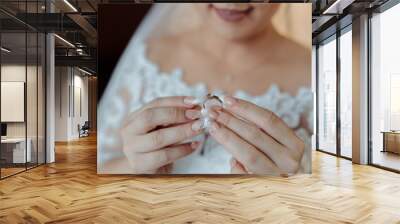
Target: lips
<point>233,15</point>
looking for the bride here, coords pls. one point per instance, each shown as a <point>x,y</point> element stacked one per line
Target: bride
<point>149,120</point>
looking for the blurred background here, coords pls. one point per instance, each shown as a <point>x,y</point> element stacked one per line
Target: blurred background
<point>58,55</point>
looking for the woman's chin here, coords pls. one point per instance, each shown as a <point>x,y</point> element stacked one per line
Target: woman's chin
<point>233,31</point>
<point>233,35</point>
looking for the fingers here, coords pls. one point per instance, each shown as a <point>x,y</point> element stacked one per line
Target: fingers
<point>151,161</point>
<point>167,136</point>
<point>164,169</point>
<point>237,167</point>
<point>279,154</point>
<point>148,119</point>
<point>254,160</point>
<point>266,120</point>
<point>172,101</point>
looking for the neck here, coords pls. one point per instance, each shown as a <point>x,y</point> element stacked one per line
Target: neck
<point>232,49</point>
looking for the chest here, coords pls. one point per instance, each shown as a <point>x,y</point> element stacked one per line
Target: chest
<point>250,76</point>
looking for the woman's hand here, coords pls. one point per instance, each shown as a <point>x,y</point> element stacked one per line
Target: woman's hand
<point>260,142</point>
<point>152,136</point>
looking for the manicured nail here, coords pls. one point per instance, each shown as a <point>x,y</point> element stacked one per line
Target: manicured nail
<point>196,126</point>
<point>192,114</point>
<point>213,114</point>
<point>194,145</point>
<point>217,108</point>
<point>232,161</point>
<point>229,101</point>
<point>190,100</point>
<point>213,127</point>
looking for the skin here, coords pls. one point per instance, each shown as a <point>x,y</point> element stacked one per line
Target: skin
<point>209,53</point>
<point>252,53</point>
<point>152,136</point>
<point>259,141</point>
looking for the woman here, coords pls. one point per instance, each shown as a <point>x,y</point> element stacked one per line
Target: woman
<point>149,123</point>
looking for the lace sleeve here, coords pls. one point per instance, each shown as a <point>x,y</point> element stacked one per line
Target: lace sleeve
<point>122,96</point>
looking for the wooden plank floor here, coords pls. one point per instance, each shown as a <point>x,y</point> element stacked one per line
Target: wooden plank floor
<point>70,191</point>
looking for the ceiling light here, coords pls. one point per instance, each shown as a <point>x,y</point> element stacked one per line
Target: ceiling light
<point>337,7</point>
<point>79,51</point>
<point>5,50</point>
<point>84,71</point>
<point>65,41</point>
<point>70,5</point>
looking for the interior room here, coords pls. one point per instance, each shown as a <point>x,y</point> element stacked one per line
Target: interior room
<point>54,69</point>
<point>22,102</point>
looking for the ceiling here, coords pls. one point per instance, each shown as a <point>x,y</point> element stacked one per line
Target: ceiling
<point>76,22</point>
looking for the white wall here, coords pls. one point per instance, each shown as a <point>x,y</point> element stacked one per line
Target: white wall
<point>17,73</point>
<point>80,89</point>
<point>70,83</point>
<point>62,82</point>
<point>34,125</point>
<point>10,73</point>
<point>13,101</point>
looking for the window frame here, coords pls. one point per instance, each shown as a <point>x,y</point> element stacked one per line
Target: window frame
<point>334,37</point>
<point>378,10</point>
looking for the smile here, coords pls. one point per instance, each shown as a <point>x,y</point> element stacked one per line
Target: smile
<point>232,15</point>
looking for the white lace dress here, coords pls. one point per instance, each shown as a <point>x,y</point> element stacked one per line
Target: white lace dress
<point>139,81</point>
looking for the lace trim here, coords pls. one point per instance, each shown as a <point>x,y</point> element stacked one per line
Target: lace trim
<point>142,79</point>
<point>288,107</point>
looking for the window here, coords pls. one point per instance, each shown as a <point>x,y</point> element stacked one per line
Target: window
<point>22,78</point>
<point>385,89</point>
<point>327,96</point>
<point>346,93</point>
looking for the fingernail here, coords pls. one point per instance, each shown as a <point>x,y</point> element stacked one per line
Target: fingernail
<point>213,127</point>
<point>217,108</point>
<point>192,114</point>
<point>232,161</point>
<point>194,145</point>
<point>213,114</point>
<point>229,101</point>
<point>196,126</point>
<point>190,100</point>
